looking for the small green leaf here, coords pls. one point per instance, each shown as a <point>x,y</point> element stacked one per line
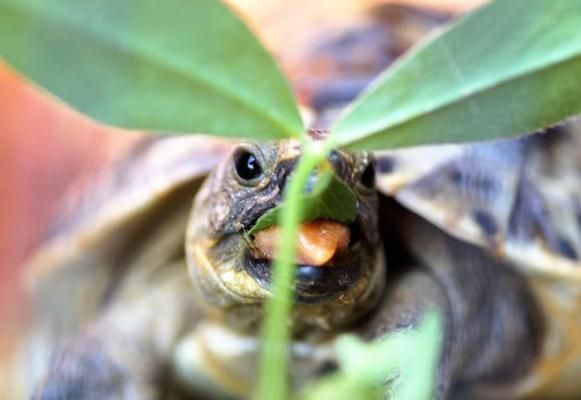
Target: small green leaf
<point>400,366</point>
<point>511,67</point>
<point>174,66</point>
<point>422,355</point>
<point>330,199</point>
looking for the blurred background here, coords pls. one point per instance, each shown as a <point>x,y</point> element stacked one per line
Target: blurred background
<point>49,152</point>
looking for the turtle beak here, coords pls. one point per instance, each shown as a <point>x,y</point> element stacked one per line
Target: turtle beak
<point>327,262</point>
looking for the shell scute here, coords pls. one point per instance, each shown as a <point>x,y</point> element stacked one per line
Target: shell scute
<point>519,198</point>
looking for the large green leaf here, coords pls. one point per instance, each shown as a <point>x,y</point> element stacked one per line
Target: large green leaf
<point>509,68</point>
<point>171,65</point>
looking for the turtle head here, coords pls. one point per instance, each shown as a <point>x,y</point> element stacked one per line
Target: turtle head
<point>339,267</point>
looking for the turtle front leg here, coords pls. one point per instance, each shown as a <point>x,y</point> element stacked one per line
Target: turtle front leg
<point>126,353</point>
<point>407,301</point>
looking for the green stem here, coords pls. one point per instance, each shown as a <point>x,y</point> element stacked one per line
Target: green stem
<point>273,367</point>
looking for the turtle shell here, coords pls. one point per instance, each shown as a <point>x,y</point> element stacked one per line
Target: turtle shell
<point>521,199</point>
<point>112,233</point>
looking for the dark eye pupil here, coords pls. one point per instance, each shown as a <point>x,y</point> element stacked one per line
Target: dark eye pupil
<point>368,177</point>
<point>247,166</point>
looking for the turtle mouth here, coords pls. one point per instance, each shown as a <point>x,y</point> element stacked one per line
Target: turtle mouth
<point>315,283</point>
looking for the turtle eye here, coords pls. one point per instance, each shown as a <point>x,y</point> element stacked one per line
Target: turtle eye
<point>368,176</point>
<point>247,165</point>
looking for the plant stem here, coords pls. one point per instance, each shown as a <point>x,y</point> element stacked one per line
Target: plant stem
<point>274,355</point>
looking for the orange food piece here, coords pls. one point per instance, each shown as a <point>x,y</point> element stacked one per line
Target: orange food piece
<point>317,243</point>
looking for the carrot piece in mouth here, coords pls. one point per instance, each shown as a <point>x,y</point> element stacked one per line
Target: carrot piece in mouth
<point>317,243</point>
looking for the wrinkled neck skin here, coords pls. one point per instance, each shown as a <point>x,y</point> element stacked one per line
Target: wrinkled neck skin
<point>217,248</point>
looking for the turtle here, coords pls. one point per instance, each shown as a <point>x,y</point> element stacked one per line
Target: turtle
<point>148,286</point>
<point>488,234</point>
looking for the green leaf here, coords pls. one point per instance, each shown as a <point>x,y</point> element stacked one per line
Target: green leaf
<point>400,366</point>
<point>330,199</point>
<point>178,66</point>
<point>421,355</point>
<point>511,67</point>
